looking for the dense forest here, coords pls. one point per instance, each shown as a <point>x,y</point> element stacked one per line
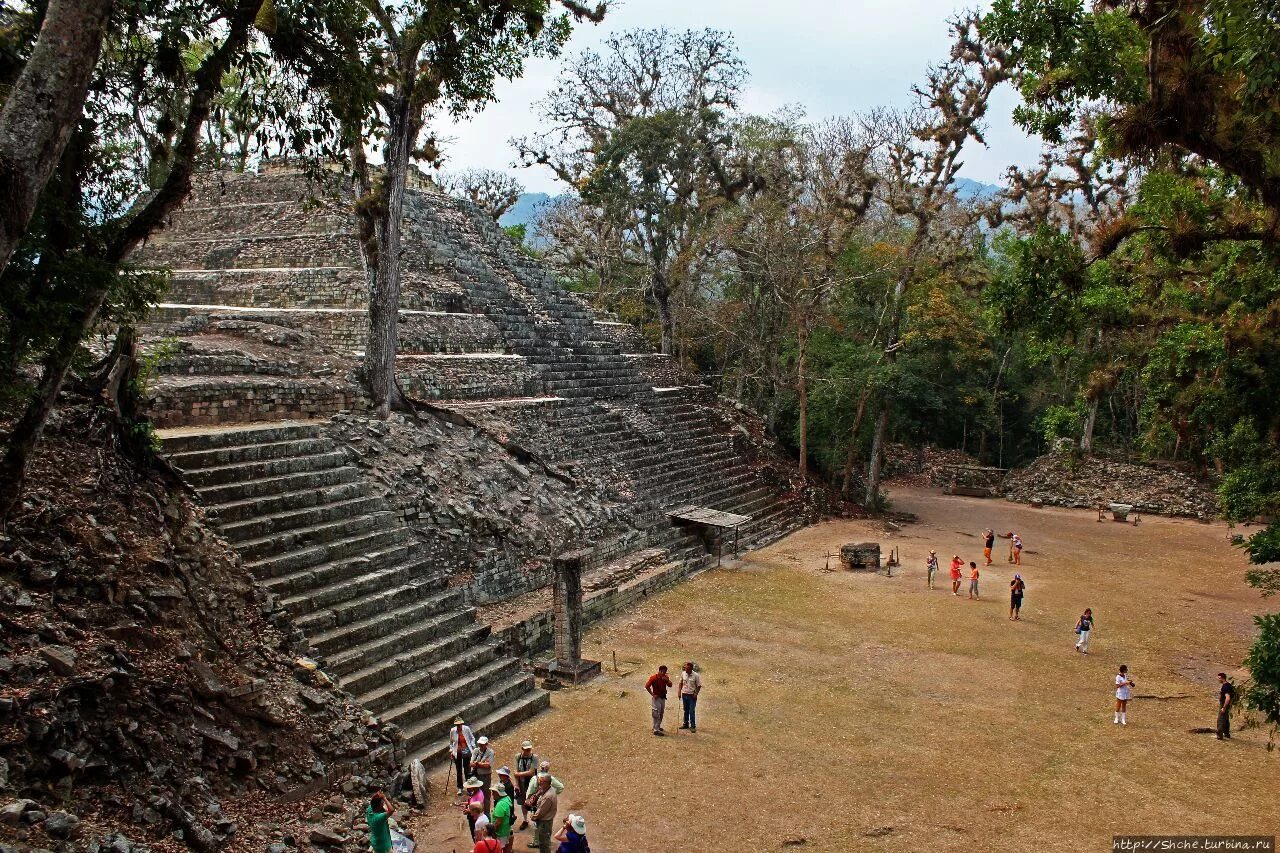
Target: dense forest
<point>1123,292</point>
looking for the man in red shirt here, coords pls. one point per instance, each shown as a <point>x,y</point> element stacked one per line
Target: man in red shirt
<point>656,687</point>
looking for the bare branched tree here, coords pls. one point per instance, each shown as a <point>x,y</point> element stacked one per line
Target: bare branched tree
<point>492,191</point>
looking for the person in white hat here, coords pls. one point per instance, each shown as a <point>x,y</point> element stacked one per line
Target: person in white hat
<point>526,768</point>
<point>482,766</point>
<point>573,835</point>
<point>503,812</point>
<point>475,799</point>
<point>461,744</point>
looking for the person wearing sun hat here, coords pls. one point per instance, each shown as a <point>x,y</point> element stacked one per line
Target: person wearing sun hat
<point>573,835</point>
<point>544,767</point>
<point>475,797</point>
<point>461,744</point>
<point>482,761</point>
<point>526,768</point>
<point>503,811</point>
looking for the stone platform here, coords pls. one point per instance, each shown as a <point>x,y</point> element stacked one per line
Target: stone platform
<point>379,537</point>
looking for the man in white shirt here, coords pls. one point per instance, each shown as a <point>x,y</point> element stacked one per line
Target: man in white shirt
<point>690,687</point>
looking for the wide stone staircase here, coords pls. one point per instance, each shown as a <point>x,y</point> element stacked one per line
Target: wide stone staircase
<point>318,535</point>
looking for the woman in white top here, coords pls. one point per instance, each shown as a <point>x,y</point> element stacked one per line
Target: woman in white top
<point>1124,684</point>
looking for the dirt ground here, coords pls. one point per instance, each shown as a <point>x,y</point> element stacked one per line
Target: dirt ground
<point>846,711</point>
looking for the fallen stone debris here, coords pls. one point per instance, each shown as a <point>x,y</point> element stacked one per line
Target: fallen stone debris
<point>151,695</point>
<point>1063,479</point>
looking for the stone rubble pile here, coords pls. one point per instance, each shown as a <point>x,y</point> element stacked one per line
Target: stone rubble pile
<point>149,690</point>
<point>1062,479</point>
<point>924,466</point>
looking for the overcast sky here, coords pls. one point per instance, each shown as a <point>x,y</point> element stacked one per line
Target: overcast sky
<point>832,57</point>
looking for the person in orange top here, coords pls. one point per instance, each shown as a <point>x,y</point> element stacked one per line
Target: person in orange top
<point>973,582</point>
<point>956,563</point>
<point>656,687</point>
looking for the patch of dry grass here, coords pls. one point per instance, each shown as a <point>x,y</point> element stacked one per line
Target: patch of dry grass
<point>864,712</point>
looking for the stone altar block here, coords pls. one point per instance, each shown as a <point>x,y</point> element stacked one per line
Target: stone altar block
<point>861,556</point>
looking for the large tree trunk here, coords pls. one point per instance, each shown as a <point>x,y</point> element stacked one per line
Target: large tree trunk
<point>43,109</point>
<point>384,292</point>
<point>802,390</point>
<point>872,498</point>
<point>851,456</point>
<point>662,300</point>
<point>177,185</point>
<point>890,356</point>
<point>1090,419</point>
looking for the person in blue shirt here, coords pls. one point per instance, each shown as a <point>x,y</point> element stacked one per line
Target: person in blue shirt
<point>573,835</point>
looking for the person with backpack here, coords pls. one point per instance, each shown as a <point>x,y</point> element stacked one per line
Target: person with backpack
<point>1016,588</point>
<point>503,813</point>
<point>1083,626</point>
<point>573,835</point>
<point>487,842</point>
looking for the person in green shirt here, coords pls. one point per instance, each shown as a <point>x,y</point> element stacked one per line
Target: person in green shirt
<point>503,814</point>
<point>376,815</point>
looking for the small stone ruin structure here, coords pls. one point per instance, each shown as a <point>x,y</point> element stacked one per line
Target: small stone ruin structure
<point>973,480</point>
<point>861,556</point>
<point>550,427</point>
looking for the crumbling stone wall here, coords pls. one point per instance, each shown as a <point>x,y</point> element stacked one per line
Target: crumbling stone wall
<point>1063,479</point>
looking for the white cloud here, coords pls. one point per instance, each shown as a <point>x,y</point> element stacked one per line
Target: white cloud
<point>831,57</point>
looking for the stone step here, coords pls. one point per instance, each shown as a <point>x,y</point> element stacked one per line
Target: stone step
<point>328,552</point>
<point>248,491</point>
<point>419,658</point>
<point>217,457</point>
<point>412,693</point>
<point>245,510</point>
<point>417,591</point>
<point>276,524</point>
<point>389,622</point>
<point>323,533</point>
<point>184,440</point>
<point>267,468</point>
<point>334,581</point>
<point>490,715</point>
<point>369,652</point>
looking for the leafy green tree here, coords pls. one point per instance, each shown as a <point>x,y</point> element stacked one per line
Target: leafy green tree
<point>643,133</point>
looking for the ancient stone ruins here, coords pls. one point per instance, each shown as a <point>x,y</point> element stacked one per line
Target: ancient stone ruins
<point>555,430</point>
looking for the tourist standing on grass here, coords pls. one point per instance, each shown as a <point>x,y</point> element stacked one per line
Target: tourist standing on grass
<point>526,769</point>
<point>1124,688</point>
<point>973,581</point>
<point>376,816</point>
<point>461,744</point>
<point>1017,587</point>
<point>988,542</point>
<point>1083,626</point>
<point>504,813</point>
<point>545,805</point>
<point>482,767</point>
<point>931,566</point>
<point>656,687</point>
<point>1226,698</point>
<point>956,563</point>
<point>690,687</point>
<point>573,835</point>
